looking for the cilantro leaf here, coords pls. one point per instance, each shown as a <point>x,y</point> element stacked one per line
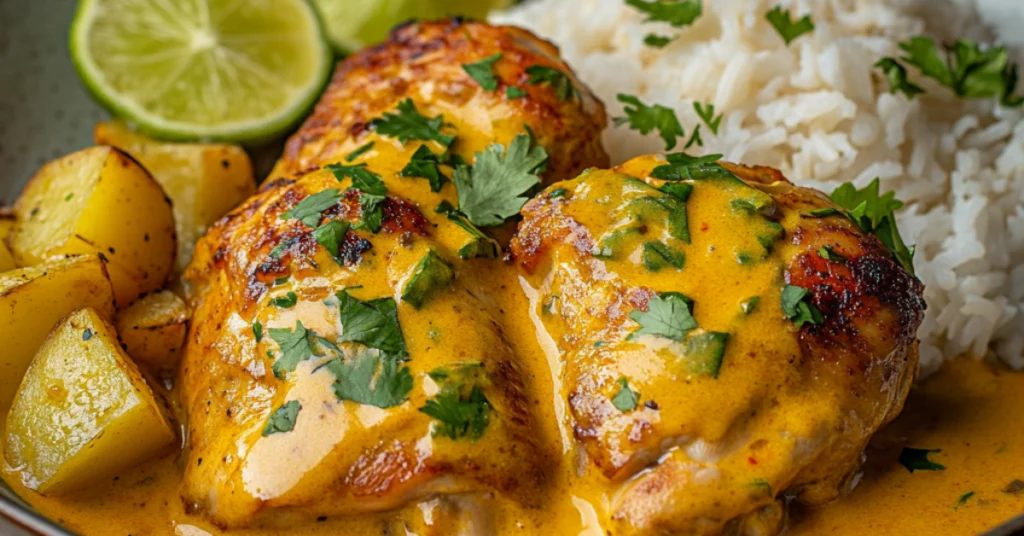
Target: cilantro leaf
<point>821,212</point>
<point>787,28</point>
<point>668,315</point>
<point>309,210</point>
<point>283,419</point>
<point>492,190</point>
<point>644,118</point>
<point>626,399</point>
<point>330,235</point>
<point>963,499</point>
<point>750,304</point>
<point>695,139</point>
<point>559,81</point>
<point>429,275</point>
<point>922,53</point>
<point>897,77</point>
<point>796,305</point>
<point>459,416</point>
<point>966,69</point>
<point>657,41</point>
<point>425,164</point>
<point>371,192</point>
<point>373,323</point>
<point>408,124</point>
<point>917,460</point>
<point>257,330</point>
<point>359,380</point>
<point>682,166</point>
<point>677,14</point>
<point>704,352</point>
<point>874,214</point>
<point>479,245</point>
<point>285,302</point>
<point>657,255</point>
<point>359,151</point>
<point>706,113</point>
<point>295,347</point>
<point>483,72</point>
<point>512,92</point>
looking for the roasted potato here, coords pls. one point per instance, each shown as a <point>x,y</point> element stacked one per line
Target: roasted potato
<point>99,200</point>
<point>204,181</point>
<point>153,330</point>
<point>83,411</point>
<point>34,299</point>
<point>6,224</point>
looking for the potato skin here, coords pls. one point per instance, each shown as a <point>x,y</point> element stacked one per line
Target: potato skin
<point>101,201</point>
<point>203,180</point>
<point>34,299</point>
<point>83,411</point>
<point>152,330</point>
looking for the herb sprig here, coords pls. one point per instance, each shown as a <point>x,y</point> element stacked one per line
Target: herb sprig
<point>789,29</point>
<point>645,119</point>
<point>493,189</point>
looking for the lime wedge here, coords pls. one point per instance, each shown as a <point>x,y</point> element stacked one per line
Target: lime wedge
<point>352,25</point>
<point>229,70</point>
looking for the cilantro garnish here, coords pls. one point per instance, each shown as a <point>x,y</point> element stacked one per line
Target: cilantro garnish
<point>695,139</point>
<point>480,245</point>
<point>828,253</point>
<point>483,72</point>
<point>492,190</point>
<point>285,302</point>
<point>677,14</point>
<point>821,212</point>
<point>559,81</point>
<point>706,113</point>
<point>626,399</point>
<point>897,77</point>
<point>408,124</point>
<point>458,415</point>
<point>257,330</point>
<point>425,164</point>
<point>309,210</point>
<point>512,92</point>
<point>644,118</point>
<point>330,235</point>
<point>359,151</point>
<point>917,460</point>
<point>966,69</point>
<point>963,499</point>
<point>359,380</point>
<point>558,193</point>
<point>657,41</point>
<point>787,28</point>
<point>283,419</point>
<point>429,275</point>
<point>371,192</point>
<point>797,306</point>
<point>295,347</point>
<point>874,214</point>
<point>657,255</point>
<point>750,304</point>
<point>682,166</point>
<point>668,315</point>
<point>373,323</point>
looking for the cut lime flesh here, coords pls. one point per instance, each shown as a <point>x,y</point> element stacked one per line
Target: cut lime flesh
<point>354,25</point>
<point>229,70</point>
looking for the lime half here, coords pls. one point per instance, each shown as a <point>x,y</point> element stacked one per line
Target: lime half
<point>352,25</point>
<point>230,70</point>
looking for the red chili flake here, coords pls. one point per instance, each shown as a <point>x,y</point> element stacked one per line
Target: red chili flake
<point>704,226</point>
<point>752,460</point>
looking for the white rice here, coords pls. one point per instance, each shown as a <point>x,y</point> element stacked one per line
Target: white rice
<point>819,112</point>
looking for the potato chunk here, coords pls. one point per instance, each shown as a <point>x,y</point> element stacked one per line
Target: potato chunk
<point>6,224</point>
<point>153,330</point>
<point>83,411</point>
<point>98,200</point>
<point>204,181</point>
<point>33,300</point>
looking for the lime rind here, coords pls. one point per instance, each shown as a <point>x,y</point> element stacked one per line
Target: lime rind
<point>265,121</point>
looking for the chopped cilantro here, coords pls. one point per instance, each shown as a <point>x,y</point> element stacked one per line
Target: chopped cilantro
<point>295,347</point>
<point>787,28</point>
<point>285,302</point>
<point>480,245</point>
<point>257,330</point>
<point>657,255</point>
<point>657,41</point>
<point>706,112</point>
<point>407,124</point>
<point>695,139</point>
<point>626,399</point>
<point>704,351</point>
<point>917,460</point>
<point>679,190</point>
<point>429,275</point>
<point>750,304</point>
<point>828,253</point>
<point>373,323</point>
<point>966,69</point>
<point>558,193</point>
<point>371,193</point>
<point>668,315</point>
<point>645,119</point>
<point>963,499</point>
<point>512,92</point>
<point>897,76</point>
<point>492,190</point>
<point>359,151</point>
<point>761,485</point>
<point>874,214</point>
<point>682,166</point>
<point>558,80</point>
<point>797,306</point>
<point>425,164</point>
<point>283,419</point>
<point>330,235</point>
<point>281,280</point>
<point>821,212</point>
<point>483,72</point>
<point>359,380</point>
<point>677,14</point>
<point>459,415</point>
<point>310,210</point>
